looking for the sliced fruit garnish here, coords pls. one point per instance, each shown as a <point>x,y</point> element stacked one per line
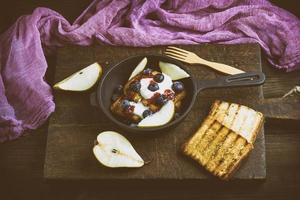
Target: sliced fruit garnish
<point>139,68</point>
<point>173,71</point>
<point>114,150</point>
<point>162,117</point>
<point>81,80</point>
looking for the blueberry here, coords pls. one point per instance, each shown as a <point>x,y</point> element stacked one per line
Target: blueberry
<point>115,97</point>
<point>135,86</point>
<point>146,113</point>
<point>153,87</point>
<point>118,89</point>
<point>159,77</point>
<point>125,104</point>
<point>177,86</point>
<point>161,100</point>
<point>147,71</point>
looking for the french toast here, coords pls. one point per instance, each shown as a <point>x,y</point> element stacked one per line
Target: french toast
<point>135,96</point>
<point>224,138</point>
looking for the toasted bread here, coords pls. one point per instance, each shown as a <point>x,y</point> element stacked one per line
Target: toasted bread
<point>225,138</point>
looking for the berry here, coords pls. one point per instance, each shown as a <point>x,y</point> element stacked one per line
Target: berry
<point>129,109</point>
<point>170,95</point>
<point>153,87</point>
<point>135,86</point>
<point>147,71</point>
<point>177,86</point>
<point>114,97</point>
<point>125,104</point>
<point>161,100</point>
<point>118,89</point>
<point>159,77</point>
<point>146,113</point>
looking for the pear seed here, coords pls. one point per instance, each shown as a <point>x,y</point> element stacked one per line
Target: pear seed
<point>114,150</point>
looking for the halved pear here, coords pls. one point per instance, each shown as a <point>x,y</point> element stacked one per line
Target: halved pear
<point>81,80</point>
<point>162,117</point>
<point>173,71</point>
<point>114,150</point>
<point>140,67</point>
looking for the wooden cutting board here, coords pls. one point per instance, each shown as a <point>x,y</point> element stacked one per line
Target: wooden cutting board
<point>75,124</point>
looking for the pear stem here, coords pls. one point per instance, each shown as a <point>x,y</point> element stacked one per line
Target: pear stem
<point>147,162</point>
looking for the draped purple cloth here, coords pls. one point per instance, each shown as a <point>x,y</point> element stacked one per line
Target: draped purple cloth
<point>26,100</point>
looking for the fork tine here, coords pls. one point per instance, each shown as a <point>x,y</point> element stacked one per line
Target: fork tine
<point>175,55</point>
<point>176,58</point>
<point>178,49</point>
<point>175,52</point>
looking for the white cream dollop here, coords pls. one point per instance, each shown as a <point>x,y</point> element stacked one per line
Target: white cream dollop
<point>166,84</point>
<point>139,108</point>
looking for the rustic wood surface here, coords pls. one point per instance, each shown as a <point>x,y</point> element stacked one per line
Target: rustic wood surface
<point>21,161</point>
<point>75,123</point>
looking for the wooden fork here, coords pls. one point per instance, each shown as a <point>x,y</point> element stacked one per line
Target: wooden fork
<point>192,58</point>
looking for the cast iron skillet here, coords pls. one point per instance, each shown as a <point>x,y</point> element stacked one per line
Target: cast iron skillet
<point>119,74</point>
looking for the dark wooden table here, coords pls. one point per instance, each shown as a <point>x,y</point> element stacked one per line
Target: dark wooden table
<point>21,161</point>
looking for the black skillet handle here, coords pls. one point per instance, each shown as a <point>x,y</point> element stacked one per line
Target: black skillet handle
<point>238,80</point>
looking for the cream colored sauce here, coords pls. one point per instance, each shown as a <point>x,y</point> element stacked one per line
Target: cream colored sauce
<point>139,108</point>
<point>166,84</point>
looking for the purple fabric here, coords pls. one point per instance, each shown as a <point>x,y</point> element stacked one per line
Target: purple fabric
<point>26,100</point>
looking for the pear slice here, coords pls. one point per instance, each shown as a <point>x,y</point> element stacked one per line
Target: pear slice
<point>81,80</point>
<point>173,71</point>
<point>140,67</point>
<point>114,150</point>
<point>162,117</point>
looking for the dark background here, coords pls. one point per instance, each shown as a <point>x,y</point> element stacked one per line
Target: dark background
<point>21,161</point>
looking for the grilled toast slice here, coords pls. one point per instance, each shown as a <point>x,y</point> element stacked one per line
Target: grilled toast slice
<point>225,138</point>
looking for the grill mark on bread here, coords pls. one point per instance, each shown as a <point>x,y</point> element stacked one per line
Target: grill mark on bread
<point>232,154</point>
<point>236,163</point>
<point>214,163</point>
<point>227,153</point>
<point>194,143</point>
<point>241,119</point>
<point>209,135</point>
<point>200,132</point>
<point>230,115</point>
<point>219,144</point>
<point>215,145</point>
<point>219,110</point>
